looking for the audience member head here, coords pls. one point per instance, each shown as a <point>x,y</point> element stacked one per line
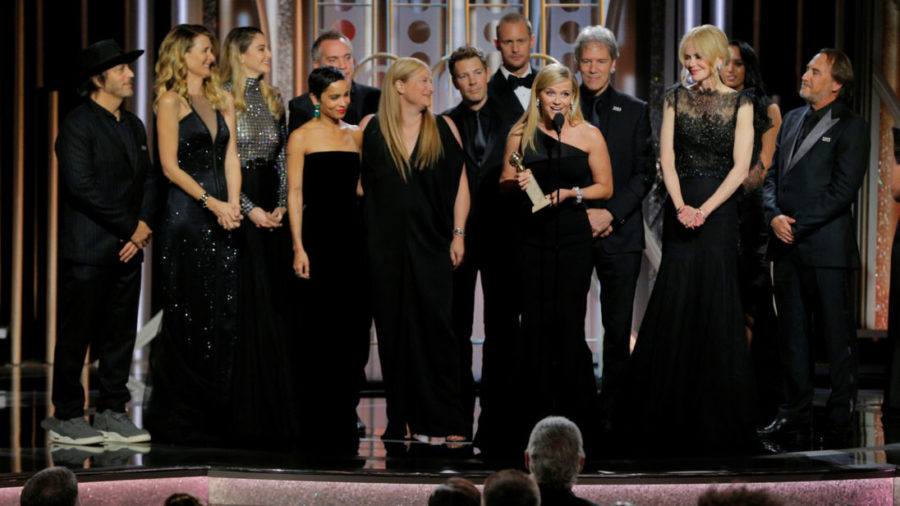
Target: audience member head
<point>510,487</point>
<point>455,492</point>
<point>246,53</point>
<point>469,71</point>
<point>742,70</point>
<point>514,41</point>
<point>596,52</point>
<point>54,486</point>
<point>737,496</point>
<point>407,87</point>
<point>329,92</point>
<point>333,48</point>
<point>189,51</point>
<point>828,76</point>
<point>182,499</point>
<point>555,91</point>
<point>555,454</point>
<point>703,52</point>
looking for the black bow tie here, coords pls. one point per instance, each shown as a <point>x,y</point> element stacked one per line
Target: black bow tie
<point>516,81</point>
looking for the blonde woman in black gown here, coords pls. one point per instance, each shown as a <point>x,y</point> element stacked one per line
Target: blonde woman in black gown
<point>192,357</point>
<point>555,248</point>
<point>691,376</point>
<point>416,204</point>
<point>329,257</point>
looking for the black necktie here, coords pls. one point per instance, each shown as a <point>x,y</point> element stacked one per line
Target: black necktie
<point>516,81</point>
<point>479,142</point>
<point>809,122</point>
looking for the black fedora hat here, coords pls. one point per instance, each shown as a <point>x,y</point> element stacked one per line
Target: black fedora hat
<point>103,55</point>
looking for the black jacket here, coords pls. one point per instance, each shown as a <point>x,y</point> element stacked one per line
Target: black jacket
<point>816,185</point>
<point>508,105</point>
<point>102,193</point>
<point>363,101</point>
<point>630,145</point>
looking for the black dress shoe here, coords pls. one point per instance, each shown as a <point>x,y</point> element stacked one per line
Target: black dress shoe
<point>782,426</point>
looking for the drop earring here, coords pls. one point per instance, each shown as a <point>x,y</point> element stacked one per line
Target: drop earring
<point>537,102</point>
<point>316,111</point>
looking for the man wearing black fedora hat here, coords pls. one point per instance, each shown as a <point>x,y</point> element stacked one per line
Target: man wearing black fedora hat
<point>107,201</point>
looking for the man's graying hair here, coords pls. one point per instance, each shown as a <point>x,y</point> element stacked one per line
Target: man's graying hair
<point>555,452</point>
<point>597,34</point>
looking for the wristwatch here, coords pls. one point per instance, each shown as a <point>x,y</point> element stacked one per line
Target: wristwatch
<point>578,195</point>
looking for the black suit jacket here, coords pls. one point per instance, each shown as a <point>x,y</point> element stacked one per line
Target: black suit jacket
<point>817,185</point>
<point>630,146</point>
<point>486,201</point>
<point>508,105</point>
<point>363,101</point>
<point>102,194</point>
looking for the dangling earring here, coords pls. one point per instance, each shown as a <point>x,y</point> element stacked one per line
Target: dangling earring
<point>316,111</point>
<point>537,102</point>
<point>242,60</point>
<point>571,106</point>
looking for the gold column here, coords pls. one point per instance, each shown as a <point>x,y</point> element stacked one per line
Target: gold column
<point>301,49</point>
<point>18,181</point>
<point>52,224</point>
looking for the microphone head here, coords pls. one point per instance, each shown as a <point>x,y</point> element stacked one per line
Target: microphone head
<point>558,121</point>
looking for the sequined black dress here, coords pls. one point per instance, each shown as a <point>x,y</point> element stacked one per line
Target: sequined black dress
<point>263,405</point>
<point>691,378</point>
<point>409,226</point>
<point>191,358</point>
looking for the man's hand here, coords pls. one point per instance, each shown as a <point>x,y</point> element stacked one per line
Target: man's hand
<point>781,225</point>
<point>601,222</point>
<point>141,235</point>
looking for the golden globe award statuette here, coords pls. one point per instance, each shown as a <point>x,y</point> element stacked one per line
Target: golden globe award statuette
<point>538,199</point>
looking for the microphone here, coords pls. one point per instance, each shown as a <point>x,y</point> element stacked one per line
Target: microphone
<point>558,121</point>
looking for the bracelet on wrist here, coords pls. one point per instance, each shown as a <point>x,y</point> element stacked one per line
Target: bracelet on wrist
<point>459,231</point>
<point>579,197</point>
<point>203,200</point>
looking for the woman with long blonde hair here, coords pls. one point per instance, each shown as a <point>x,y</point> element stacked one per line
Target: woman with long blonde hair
<point>556,245</point>
<point>691,385</point>
<point>262,401</point>
<point>191,358</point>
<point>416,204</point>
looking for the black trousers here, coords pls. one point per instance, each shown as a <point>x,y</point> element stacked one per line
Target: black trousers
<point>97,308</point>
<point>618,274</point>
<point>816,301</point>
<point>501,320</point>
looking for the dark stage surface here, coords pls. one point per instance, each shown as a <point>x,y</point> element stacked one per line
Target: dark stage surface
<point>871,454</point>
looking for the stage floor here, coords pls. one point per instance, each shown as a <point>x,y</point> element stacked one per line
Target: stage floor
<point>871,454</point>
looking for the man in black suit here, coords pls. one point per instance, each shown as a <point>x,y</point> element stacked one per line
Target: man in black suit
<point>333,48</point>
<point>510,87</point>
<point>488,234</point>
<point>108,197</point>
<point>617,223</point>
<point>820,160</point>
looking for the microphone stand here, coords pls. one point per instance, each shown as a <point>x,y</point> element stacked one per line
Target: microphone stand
<point>557,126</point>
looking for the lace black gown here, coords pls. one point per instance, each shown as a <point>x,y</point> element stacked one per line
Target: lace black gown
<point>409,226</point>
<point>555,264</point>
<point>691,378</point>
<point>263,403</point>
<point>333,302</point>
<point>191,358</point>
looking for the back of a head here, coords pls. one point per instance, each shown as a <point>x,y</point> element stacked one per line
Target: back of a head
<point>741,496</point>
<point>510,488</point>
<point>455,492</point>
<point>182,499</point>
<point>555,452</point>
<point>54,486</point>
